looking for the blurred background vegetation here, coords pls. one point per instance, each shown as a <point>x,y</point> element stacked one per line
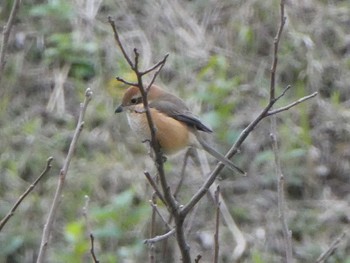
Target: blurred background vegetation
<point>220,55</point>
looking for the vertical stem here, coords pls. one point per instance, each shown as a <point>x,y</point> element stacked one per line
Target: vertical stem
<point>217,224</point>
<point>6,34</point>
<point>152,230</point>
<point>280,194</point>
<point>62,176</point>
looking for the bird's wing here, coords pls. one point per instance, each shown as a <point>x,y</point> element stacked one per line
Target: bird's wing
<point>177,109</point>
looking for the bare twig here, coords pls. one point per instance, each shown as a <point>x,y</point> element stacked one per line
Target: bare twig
<point>92,249</point>
<point>156,210</point>
<point>126,82</point>
<point>6,34</point>
<point>159,65</point>
<point>272,112</point>
<point>182,174</point>
<point>238,237</point>
<point>287,235</point>
<point>153,202</point>
<point>160,238</point>
<point>275,51</point>
<point>326,254</point>
<point>116,37</point>
<point>62,176</point>
<point>155,187</point>
<point>88,226</point>
<point>197,259</point>
<point>280,194</point>
<point>24,195</point>
<point>217,224</point>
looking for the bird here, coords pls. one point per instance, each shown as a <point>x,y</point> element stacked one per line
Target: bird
<point>176,127</point>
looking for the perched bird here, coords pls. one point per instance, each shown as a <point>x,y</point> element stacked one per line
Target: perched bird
<point>176,126</point>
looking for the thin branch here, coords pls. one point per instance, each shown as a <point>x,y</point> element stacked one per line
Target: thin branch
<point>6,34</point>
<point>92,249</point>
<point>182,174</point>
<point>272,112</point>
<point>287,235</point>
<point>159,64</point>
<point>62,176</point>
<point>156,210</point>
<point>88,226</point>
<point>160,238</point>
<point>116,37</point>
<point>275,51</point>
<point>155,187</point>
<point>280,194</point>
<point>137,56</point>
<point>217,224</point>
<point>283,92</point>
<point>153,202</point>
<point>197,259</point>
<point>238,237</point>
<point>24,195</point>
<point>326,254</point>
<point>127,82</point>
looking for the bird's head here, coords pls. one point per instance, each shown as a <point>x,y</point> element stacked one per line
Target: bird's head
<point>133,96</point>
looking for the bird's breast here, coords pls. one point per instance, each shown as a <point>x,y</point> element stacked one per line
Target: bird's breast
<point>171,134</point>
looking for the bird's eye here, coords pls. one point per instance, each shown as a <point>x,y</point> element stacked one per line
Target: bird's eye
<point>136,100</point>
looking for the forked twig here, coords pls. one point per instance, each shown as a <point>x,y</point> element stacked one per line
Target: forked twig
<point>24,195</point>
<point>272,112</point>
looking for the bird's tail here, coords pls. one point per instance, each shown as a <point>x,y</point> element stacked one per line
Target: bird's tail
<point>219,156</point>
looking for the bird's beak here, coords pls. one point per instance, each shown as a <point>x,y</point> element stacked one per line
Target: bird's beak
<point>119,109</point>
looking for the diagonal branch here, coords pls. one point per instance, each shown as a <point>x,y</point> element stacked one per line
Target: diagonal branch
<point>24,195</point>
<point>159,65</point>
<point>272,112</point>
<point>155,187</point>
<point>326,254</point>
<point>126,82</point>
<point>117,38</point>
<point>160,237</point>
<point>245,133</point>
